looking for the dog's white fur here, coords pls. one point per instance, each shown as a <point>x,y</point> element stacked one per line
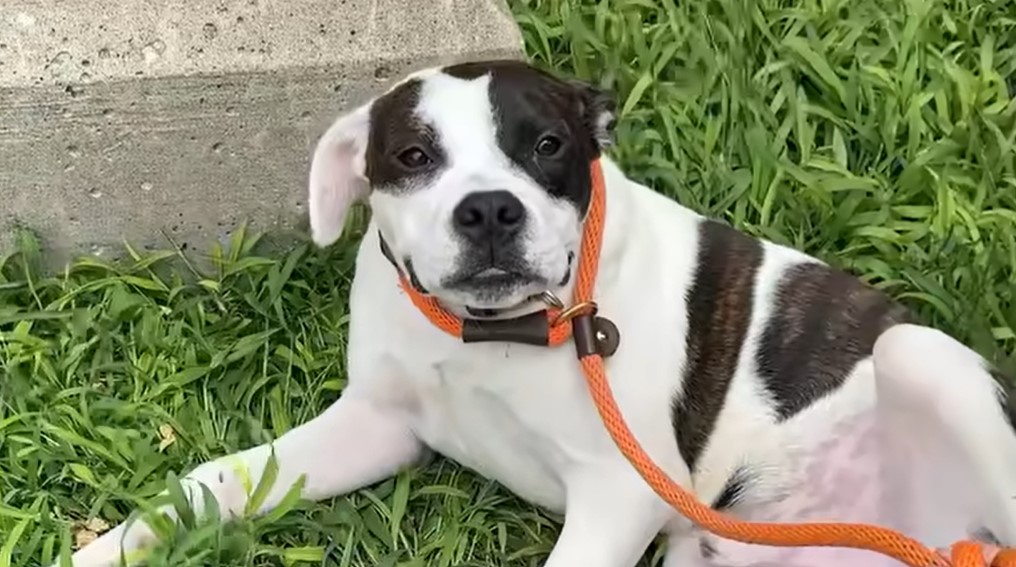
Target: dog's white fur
<point>914,439</point>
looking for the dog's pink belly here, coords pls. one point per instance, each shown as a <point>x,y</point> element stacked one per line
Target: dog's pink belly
<point>841,481</point>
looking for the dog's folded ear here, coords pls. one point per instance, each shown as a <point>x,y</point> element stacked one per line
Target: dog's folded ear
<point>599,109</point>
<point>337,178</point>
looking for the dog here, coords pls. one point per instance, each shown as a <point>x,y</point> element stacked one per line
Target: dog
<point>773,385</point>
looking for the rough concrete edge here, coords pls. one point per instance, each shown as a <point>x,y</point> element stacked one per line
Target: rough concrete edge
<point>295,49</point>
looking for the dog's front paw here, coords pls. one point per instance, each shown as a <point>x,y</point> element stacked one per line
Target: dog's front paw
<point>114,548</point>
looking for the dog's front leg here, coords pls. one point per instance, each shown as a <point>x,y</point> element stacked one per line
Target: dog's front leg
<point>609,521</point>
<point>350,445</point>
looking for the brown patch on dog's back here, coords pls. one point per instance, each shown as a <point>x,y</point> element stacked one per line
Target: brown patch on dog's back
<point>719,306</point>
<point>823,322</point>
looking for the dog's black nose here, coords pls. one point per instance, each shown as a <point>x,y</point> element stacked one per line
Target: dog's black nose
<point>489,215</point>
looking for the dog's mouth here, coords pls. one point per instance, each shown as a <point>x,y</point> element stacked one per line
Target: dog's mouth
<point>494,289</point>
<point>490,289</point>
<point>494,280</point>
<point>489,283</point>
<point>507,277</point>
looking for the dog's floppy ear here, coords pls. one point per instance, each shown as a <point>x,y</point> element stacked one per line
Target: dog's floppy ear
<point>599,109</point>
<point>337,174</point>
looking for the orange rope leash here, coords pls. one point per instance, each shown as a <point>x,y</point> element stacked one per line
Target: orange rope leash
<point>858,536</point>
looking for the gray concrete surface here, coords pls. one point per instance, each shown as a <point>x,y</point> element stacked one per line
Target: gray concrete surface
<point>133,119</point>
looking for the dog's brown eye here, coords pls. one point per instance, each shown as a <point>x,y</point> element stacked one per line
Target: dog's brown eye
<point>414,158</point>
<point>548,145</point>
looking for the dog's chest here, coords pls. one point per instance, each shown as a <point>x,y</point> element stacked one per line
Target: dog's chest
<point>511,412</point>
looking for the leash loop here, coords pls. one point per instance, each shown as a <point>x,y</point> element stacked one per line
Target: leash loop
<point>584,336</point>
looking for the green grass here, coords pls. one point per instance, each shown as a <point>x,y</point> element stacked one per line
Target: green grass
<point>878,135</point>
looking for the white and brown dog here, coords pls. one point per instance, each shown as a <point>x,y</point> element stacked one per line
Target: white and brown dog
<point>775,386</point>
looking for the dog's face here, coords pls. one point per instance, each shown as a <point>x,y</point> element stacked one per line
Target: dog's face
<point>477,175</point>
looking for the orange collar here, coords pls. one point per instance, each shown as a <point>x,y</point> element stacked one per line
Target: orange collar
<point>554,325</point>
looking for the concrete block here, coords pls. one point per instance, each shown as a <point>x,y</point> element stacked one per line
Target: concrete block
<point>126,120</point>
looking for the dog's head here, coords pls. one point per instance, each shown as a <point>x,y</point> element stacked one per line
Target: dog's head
<point>477,176</point>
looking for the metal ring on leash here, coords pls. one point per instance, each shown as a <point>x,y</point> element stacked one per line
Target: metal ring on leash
<point>583,308</point>
<point>551,300</point>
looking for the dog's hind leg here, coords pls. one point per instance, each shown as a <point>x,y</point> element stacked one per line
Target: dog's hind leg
<point>350,445</point>
<point>949,447</point>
